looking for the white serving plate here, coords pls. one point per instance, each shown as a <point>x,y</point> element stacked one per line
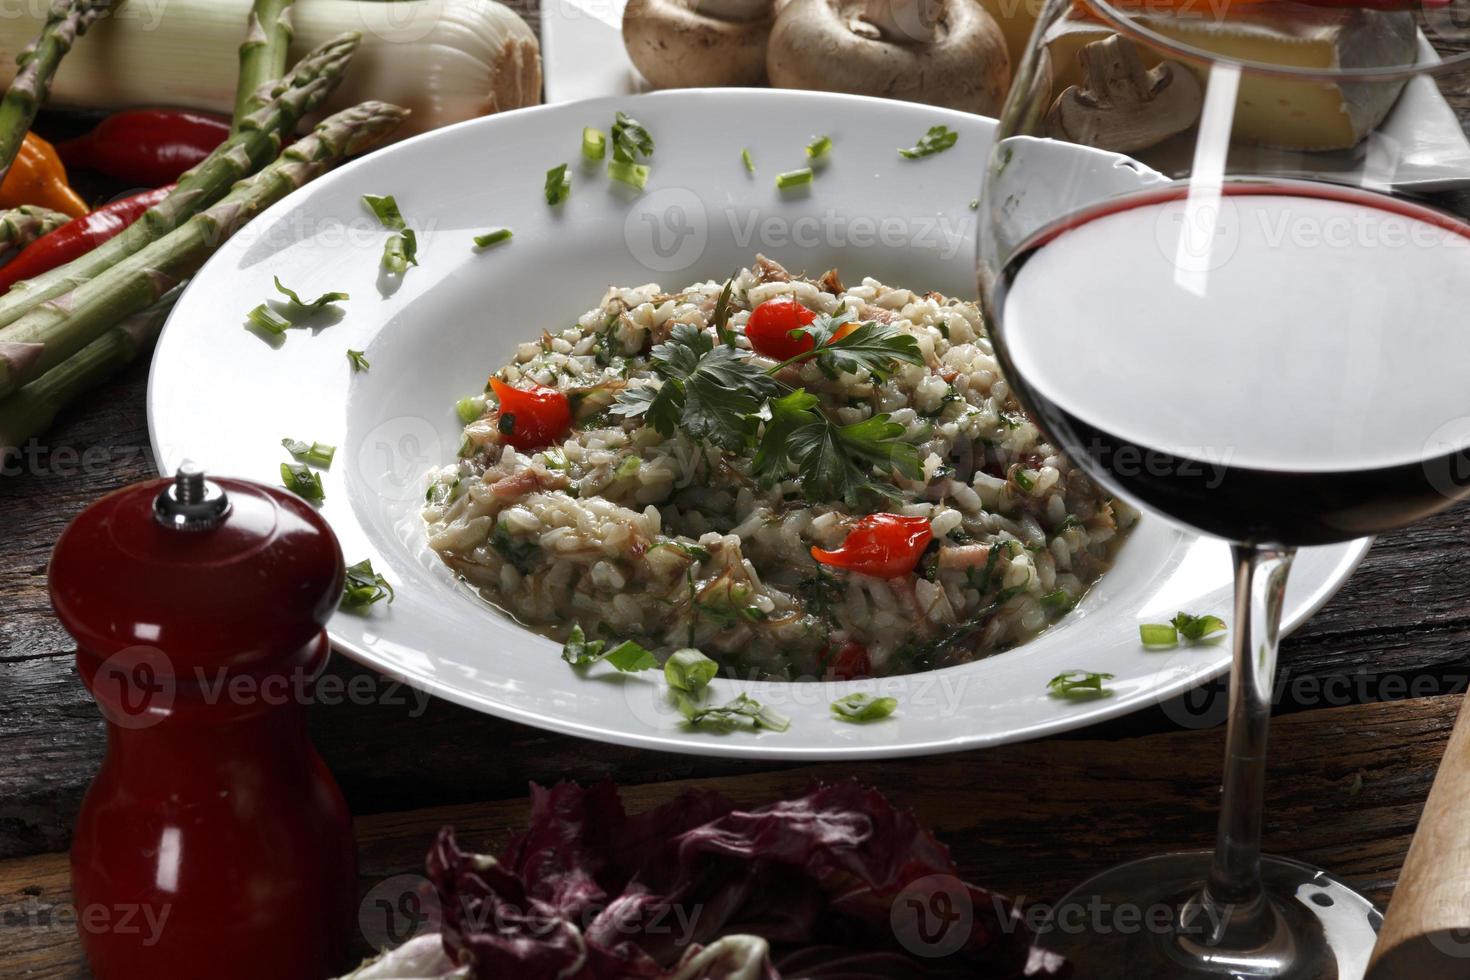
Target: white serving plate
<point>1420,146</point>
<point>223,397</point>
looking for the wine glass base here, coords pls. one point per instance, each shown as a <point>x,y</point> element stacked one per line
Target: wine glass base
<point>1122,924</point>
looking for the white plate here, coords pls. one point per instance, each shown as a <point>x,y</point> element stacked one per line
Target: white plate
<point>221,396</point>
<point>1421,146</point>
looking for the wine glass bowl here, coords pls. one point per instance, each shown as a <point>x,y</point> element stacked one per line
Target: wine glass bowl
<point>1264,347</point>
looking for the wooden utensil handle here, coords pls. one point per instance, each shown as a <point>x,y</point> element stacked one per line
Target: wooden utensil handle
<point>1426,935</point>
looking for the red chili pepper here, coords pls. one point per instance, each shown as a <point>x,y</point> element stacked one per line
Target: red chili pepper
<point>78,236</point>
<point>770,325</point>
<point>881,545</point>
<point>533,417</point>
<point>146,146</point>
<point>850,662</point>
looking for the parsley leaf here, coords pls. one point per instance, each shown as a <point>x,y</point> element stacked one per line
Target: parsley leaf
<point>788,413</point>
<point>836,461</point>
<point>936,140</point>
<point>872,346</point>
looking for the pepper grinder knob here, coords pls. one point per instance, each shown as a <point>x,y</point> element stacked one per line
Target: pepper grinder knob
<point>198,608</point>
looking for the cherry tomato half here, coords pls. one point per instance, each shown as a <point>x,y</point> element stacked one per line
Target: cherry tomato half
<point>850,662</point>
<point>533,417</point>
<point>880,545</point>
<point>770,325</point>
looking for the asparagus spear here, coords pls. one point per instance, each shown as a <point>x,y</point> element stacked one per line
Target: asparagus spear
<point>302,90</point>
<point>54,331</point>
<point>32,409</point>
<point>262,56</point>
<point>23,225</point>
<point>67,21</point>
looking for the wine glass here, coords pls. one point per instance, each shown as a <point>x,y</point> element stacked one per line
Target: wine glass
<point>1213,278</point>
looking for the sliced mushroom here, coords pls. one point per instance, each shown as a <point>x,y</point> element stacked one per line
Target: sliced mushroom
<point>1122,106</point>
<point>697,43</point>
<point>944,52</point>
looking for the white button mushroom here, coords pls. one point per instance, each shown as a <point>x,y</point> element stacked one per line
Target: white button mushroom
<point>943,52</point>
<point>1122,106</point>
<point>696,43</point>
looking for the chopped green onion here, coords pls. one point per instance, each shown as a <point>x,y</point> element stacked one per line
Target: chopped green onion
<point>689,670</point>
<point>401,251</point>
<point>358,362</point>
<point>386,210</point>
<point>470,408</point>
<point>363,586</point>
<point>1059,601</point>
<point>818,147</point>
<point>627,656</point>
<point>1025,480</point>
<point>860,707</point>
<point>306,483</point>
<point>492,237</point>
<point>1157,634</point>
<point>794,178</point>
<point>558,184</point>
<point>627,172</point>
<point>1079,684</point>
<point>748,160</point>
<point>628,467</point>
<point>594,143</point>
<point>268,320</point>
<point>936,140</point>
<point>1197,627</point>
<point>630,657</point>
<point>316,453</point>
<point>742,712</point>
<point>315,304</point>
<point>630,140</point>
<point>974,204</point>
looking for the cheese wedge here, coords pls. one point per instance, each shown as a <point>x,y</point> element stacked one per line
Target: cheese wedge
<point>1276,111</point>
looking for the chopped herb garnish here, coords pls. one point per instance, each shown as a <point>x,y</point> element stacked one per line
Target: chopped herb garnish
<point>743,712</point>
<point>818,148</point>
<point>303,481</point>
<point>974,204</point>
<point>315,304</point>
<point>558,184</point>
<point>1025,479</point>
<point>268,320</point>
<point>358,362</point>
<point>628,656</point>
<point>1197,627</point>
<point>630,140</point>
<point>693,551</point>
<point>936,140</point>
<point>794,178</point>
<point>721,319</point>
<point>506,424</point>
<point>492,237</point>
<point>626,172</point>
<point>315,453</point>
<point>401,249</point>
<point>470,408</point>
<point>860,707</point>
<point>363,586</point>
<point>689,670</point>
<point>871,346</point>
<point>1157,634</point>
<point>522,554</point>
<point>594,143</point>
<point>1058,602</point>
<point>1079,684</point>
<point>748,160</point>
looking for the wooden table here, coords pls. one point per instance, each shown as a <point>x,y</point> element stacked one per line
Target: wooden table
<point>1369,691</point>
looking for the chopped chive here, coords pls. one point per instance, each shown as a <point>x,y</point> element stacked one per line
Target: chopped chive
<point>689,670</point>
<point>358,362</point>
<point>315,304</point>
<point>794,178</point>
<point>749,161</point>
<point>303,481</point>
<point>1079,684</point>
<point>817,148</point>
<point>492,237</point>
<point>1025,480</point>
<point>268,320</point>
<point>1157,634</point>
<point>470,408</point>
<point>627,172</point>
<point>859,707</point>
<point>558,184</point>
<point>316,453</point>
<point>594,143</point>
<point>385,208</point>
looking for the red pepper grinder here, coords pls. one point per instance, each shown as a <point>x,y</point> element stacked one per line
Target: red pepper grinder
<point>213,830</point>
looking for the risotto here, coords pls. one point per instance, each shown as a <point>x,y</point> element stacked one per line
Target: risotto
<point>799,478</point>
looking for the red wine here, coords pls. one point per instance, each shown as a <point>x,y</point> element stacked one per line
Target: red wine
<point>1276,362</point>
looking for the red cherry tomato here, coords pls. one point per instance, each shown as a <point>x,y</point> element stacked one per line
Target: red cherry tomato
<point>770,325</point>
<point>881,545</point>
<point>533,417</point>
<point>850,662</point>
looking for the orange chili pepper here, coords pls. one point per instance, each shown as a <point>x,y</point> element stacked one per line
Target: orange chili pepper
<point>39,177</point>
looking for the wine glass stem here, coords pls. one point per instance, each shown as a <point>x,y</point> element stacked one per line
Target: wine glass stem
<point>1234,885</point>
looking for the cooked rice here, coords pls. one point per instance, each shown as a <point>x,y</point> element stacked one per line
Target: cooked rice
<point>606,530</point>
